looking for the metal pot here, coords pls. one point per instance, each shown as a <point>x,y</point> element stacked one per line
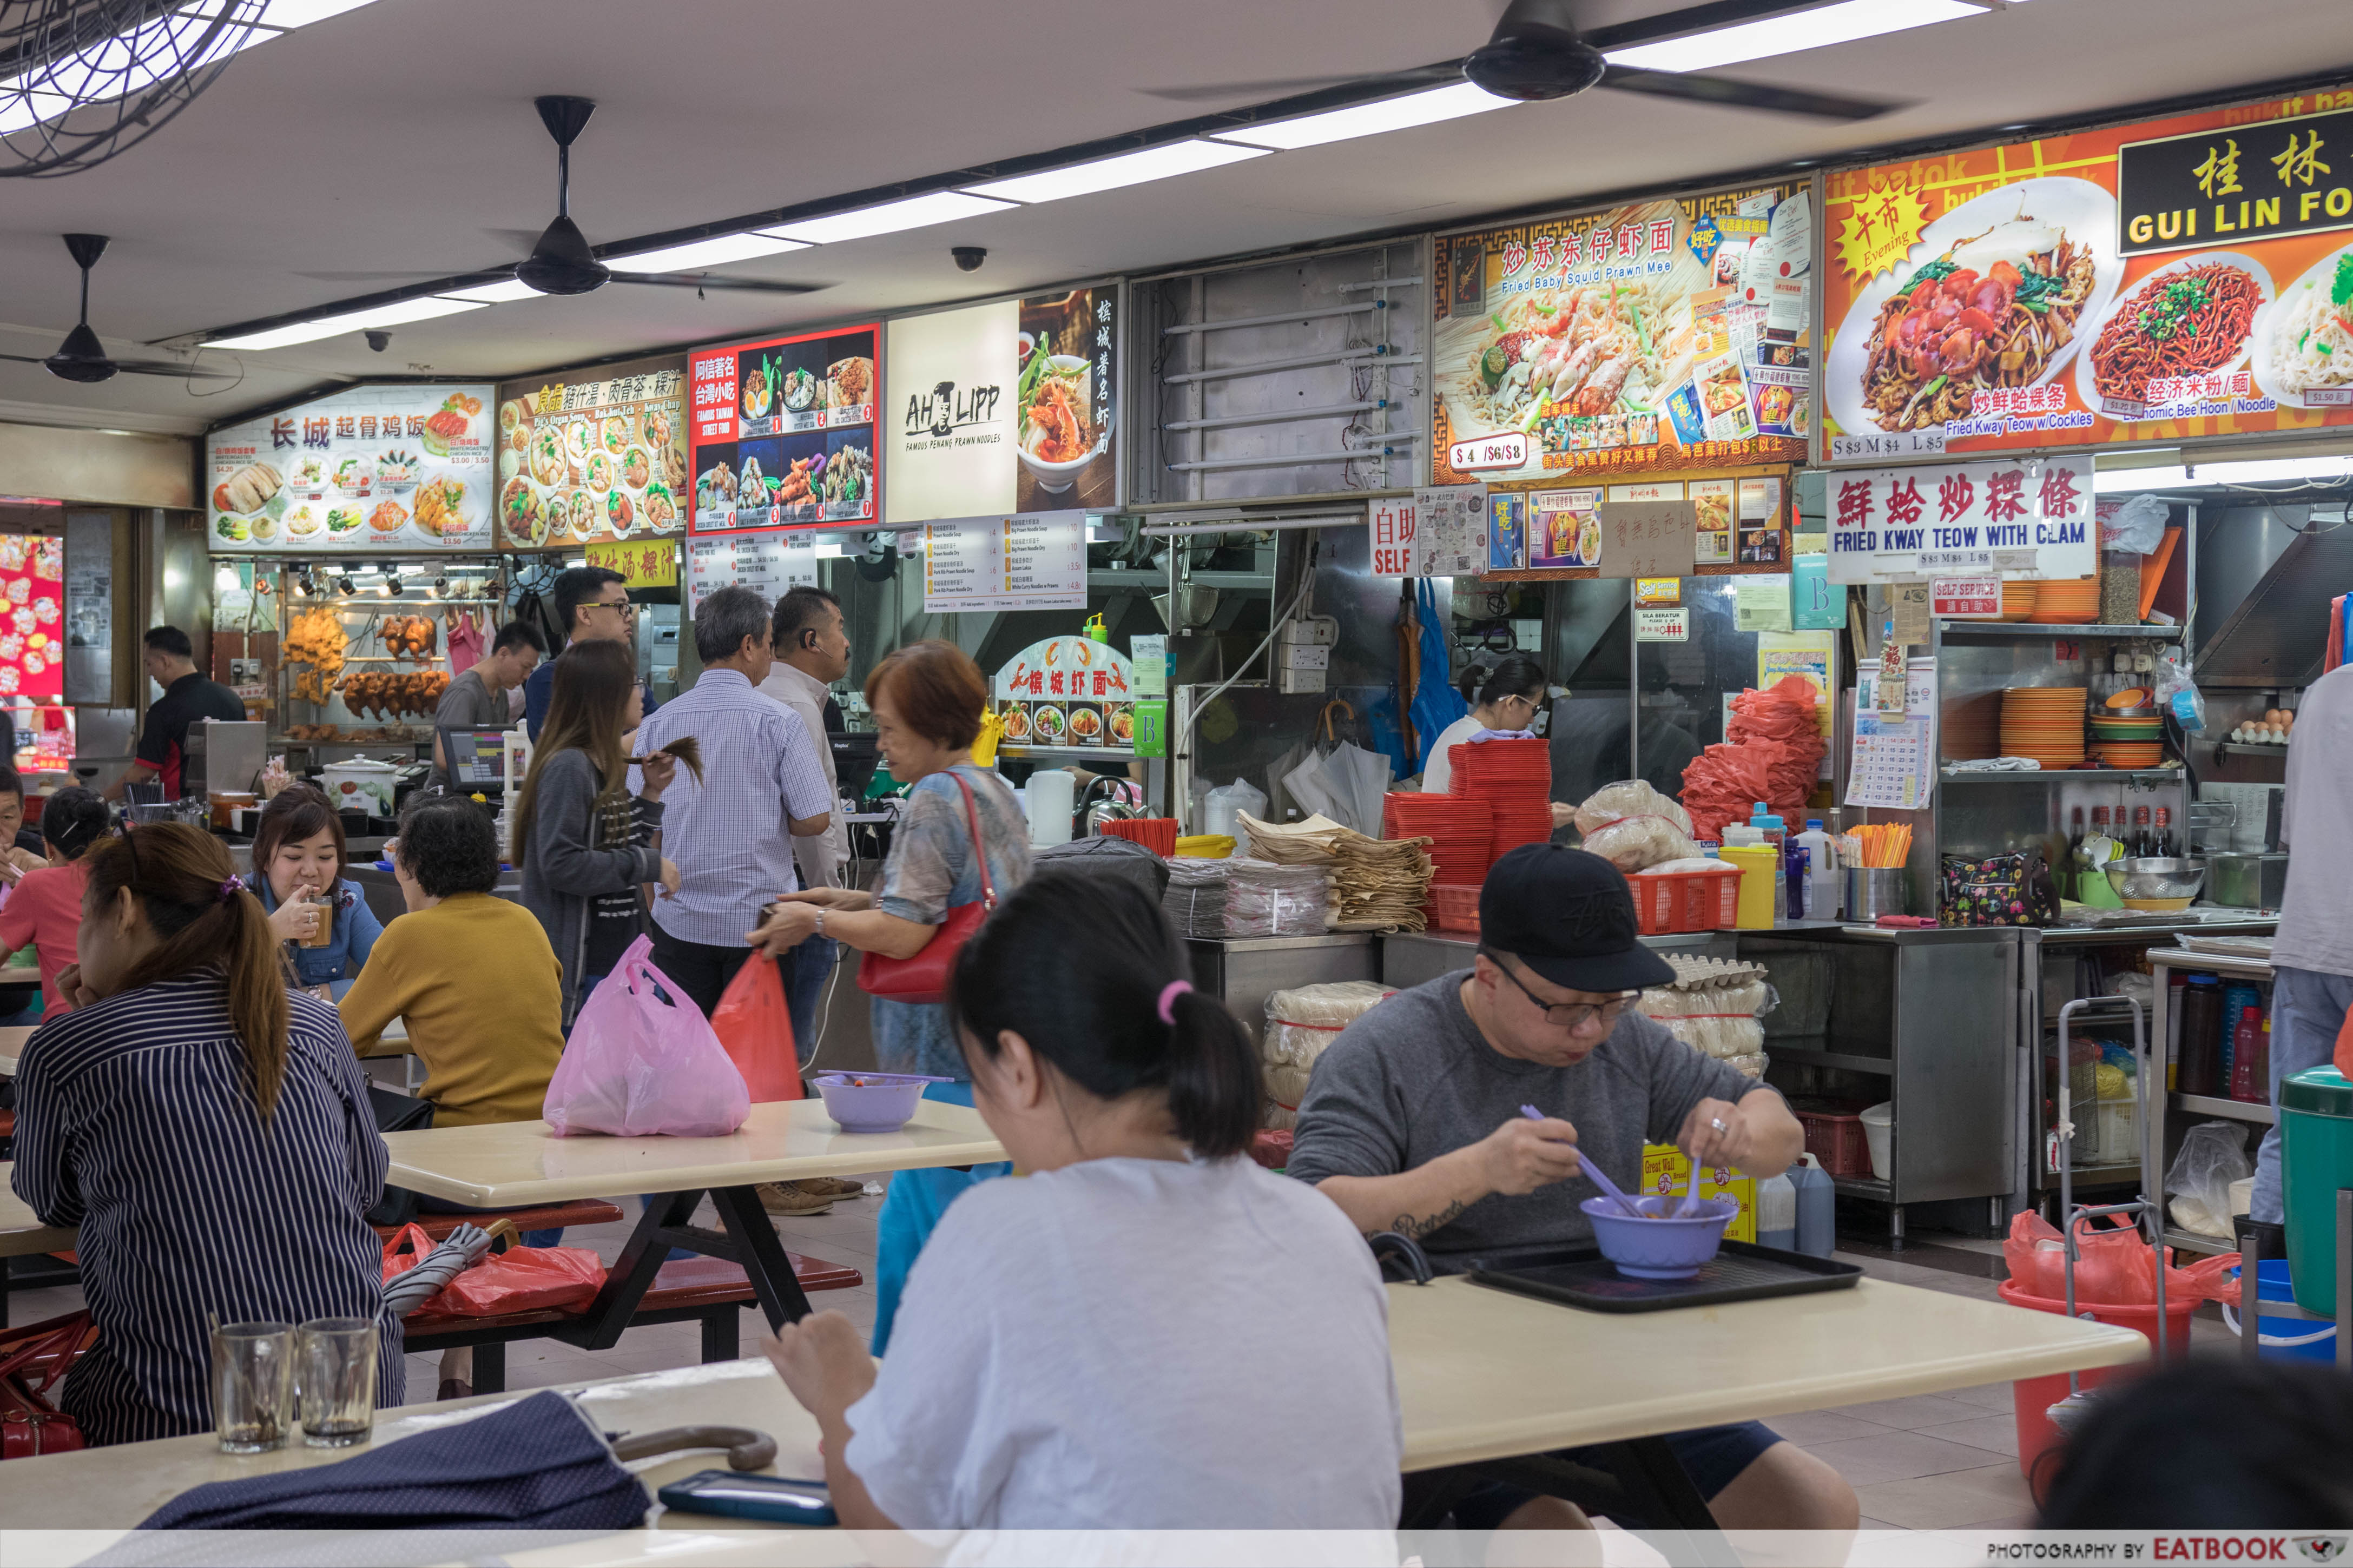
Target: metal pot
<point>2247,881</point>
<point>2155,881</point>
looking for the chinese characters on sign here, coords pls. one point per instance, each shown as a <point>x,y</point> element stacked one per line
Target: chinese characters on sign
<point>768,563</point>
<point>1393,538</point>
<point>2031,516</point>
<point>1450,534</point>
<point>594,460</point>
<point>1027,561</point>
<point>1647,538</point>
<point>1068,691</point>
<point>785,431</point>
<point>646,563</point>
<point>390,467</point>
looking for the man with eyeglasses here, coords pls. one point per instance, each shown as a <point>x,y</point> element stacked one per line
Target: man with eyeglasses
<point>593,605</point>
<point>1412,1123</point>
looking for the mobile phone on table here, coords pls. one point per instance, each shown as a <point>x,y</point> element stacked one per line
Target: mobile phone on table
<point>773,1498</point>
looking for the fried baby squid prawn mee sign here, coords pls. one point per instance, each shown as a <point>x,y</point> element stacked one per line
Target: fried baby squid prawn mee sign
<point>2177,279</point>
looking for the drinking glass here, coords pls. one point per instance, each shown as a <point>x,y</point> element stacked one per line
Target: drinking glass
<point>253,1385</point>
<point>335,1368</point>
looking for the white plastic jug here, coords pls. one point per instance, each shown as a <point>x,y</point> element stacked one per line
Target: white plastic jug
<point>1823,882</point>
<point>1048,798</point>
<point>1222,805</point>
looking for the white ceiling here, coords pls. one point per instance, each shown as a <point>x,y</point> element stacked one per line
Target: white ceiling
<point>401,138</point>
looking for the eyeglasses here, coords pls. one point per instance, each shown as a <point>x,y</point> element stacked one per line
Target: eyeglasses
<point>623,607</point>
<point>1570,1015</point>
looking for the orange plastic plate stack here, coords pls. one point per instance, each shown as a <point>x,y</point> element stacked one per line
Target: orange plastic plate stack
<point>2045,722</point>
<point>1515,778</point>
<point>1461,830</point>
<point>2065,602</point>
<point>2017,599</point>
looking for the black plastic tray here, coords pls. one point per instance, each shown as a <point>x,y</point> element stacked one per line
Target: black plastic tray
<point>1580,1276</point>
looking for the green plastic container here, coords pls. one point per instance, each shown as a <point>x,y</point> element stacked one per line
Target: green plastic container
<point>2315,1112</point>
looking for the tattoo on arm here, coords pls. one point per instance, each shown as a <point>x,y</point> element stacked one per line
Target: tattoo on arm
<point>1415,1226</point>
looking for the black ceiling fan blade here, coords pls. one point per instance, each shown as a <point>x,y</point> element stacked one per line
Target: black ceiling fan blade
<point>702,281</point>
<point>176,372</point>
<point>368,277</point>
<point>1286,86</point>
<point>521,240</point>
<point>1702,19</point>
<point>1729,94</point>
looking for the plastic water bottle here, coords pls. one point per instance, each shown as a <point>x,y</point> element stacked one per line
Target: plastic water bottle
<point>1776,834</point>
<point>1822,893</point>
<point>1777,1213</point>
<point>1816,1208</point>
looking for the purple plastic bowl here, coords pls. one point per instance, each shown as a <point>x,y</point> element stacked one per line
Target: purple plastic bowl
<point>875,1102</point>
<point>1659,1248</point>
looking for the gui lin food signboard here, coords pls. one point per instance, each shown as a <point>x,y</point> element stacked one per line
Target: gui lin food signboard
<point>2178,280</point>
<point>1663,335</point>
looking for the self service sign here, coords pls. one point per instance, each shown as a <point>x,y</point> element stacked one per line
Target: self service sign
<point>2029,518</point>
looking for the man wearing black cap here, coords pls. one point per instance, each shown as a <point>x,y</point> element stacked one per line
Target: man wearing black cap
<point>1412,1123</point>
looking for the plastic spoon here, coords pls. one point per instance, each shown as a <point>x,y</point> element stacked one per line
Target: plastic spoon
<point>1608,1188</point>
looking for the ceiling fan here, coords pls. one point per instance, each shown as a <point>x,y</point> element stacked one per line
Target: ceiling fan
<point>1537,52</point>
<point>560,261</point>
<point>82,357</point>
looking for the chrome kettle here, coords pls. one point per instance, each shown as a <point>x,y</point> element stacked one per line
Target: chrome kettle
<point>1122,804</point>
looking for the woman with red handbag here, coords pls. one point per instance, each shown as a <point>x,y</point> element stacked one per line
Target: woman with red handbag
<point>962,844</point>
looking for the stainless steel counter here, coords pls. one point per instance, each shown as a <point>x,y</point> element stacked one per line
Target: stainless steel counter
<point>1409,958</point>
<point>1242,971</point>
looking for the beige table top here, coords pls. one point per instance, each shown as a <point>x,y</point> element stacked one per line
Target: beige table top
<point>21,1235</point>
<point>508,1165</point>
<point>1484,1373</point>
<point>394,1042</point>
<point>1481,1375</point>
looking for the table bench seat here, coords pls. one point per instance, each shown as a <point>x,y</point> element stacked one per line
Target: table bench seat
<point>547,1216</point>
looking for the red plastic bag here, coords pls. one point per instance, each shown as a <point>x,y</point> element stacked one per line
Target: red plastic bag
<point>2115,1268</point>
<point>406,1248</point>
<point>521,1279</point>
<point>756,1029</point>
<point>642,1060</point>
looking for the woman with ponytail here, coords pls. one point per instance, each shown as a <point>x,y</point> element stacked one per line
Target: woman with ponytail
<point>1126,1336</point>
<point>45,907</point>
<point>208,1132</point>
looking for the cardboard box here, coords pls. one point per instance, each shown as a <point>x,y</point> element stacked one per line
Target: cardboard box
<point>1665,1170</point>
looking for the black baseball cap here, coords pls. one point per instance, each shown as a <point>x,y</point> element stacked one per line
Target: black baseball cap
<point>1568,915</point>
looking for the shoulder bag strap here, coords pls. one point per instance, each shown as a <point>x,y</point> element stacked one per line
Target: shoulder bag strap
<point>972,817</point>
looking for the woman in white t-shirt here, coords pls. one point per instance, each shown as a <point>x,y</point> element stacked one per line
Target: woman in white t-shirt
<point>1507,696</point>
<point>1128,1336</point>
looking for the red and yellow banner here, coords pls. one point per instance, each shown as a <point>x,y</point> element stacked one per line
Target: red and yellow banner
<point>2176,280</point>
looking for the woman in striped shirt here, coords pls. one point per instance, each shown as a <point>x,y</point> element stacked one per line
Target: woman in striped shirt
<point>207,1132</point>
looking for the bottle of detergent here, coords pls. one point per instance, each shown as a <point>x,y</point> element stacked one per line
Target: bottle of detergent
<point>1777,1213</point>
<point>1822,879</point>
<point>1816,1208</point>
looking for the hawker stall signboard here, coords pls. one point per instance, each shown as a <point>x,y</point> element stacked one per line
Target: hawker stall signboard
<point>1008,407</point>
<point>1663,335</point>
<point>783,431</point>
<point>32,622</point>
<point>593,457</point>
<point>2027,517</point>
<point>1066,692</point>
<point>372,469</point>
<point>2178,280</point>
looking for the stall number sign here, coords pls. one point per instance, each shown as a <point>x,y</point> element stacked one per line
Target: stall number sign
<point>1486,454</point>
<point>1393,529</point>
<point>1662,624</point>
<point>1966,598</point>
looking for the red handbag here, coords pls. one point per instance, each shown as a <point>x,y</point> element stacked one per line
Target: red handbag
<point>32,1360</point>
<point>923,978</point>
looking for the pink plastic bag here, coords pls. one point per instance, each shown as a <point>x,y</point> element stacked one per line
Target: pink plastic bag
<point>637,1065</point>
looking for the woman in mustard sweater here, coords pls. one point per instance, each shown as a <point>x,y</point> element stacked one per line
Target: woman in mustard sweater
<point>477,982</point>
<point>471,971</point>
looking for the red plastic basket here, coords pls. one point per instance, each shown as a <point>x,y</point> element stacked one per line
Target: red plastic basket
<point>1835,1138</point>
<point>1455,907</point>
<point>1686,900</point>
<point>1157,833</point>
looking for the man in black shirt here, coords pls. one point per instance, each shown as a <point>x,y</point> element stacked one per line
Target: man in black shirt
<point>187,699</point>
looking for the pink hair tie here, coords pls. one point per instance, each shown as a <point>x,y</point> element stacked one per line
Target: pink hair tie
<point>1168,994</point>
<point>231,888</point>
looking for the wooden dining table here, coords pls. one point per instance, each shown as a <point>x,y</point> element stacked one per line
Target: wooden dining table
<point>1482,1375</point>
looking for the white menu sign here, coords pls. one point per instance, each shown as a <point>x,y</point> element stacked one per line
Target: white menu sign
<point>768,563</point>
<point>370,469</point>
<point>1029,561</point>
<point>2029,516</point>
<point>947,421</point>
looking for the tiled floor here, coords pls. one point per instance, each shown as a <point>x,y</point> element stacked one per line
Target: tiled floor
<point>1932,1462</point>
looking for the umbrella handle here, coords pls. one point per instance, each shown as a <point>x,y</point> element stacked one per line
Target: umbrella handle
<point>747,1449</point>
<point>1342,704</point>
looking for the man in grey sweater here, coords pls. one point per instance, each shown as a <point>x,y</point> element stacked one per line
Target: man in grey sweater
<point>1412,1123</point>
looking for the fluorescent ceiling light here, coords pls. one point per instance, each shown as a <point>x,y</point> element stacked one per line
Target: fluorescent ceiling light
<point>2282,470</point>
<point>1819,29</point>
<point>1369,119</point>
<point>717,252</point>
<point>393,315</point>
<point>502,293</point>
<point>889,218</point>
<point>1125,169</point>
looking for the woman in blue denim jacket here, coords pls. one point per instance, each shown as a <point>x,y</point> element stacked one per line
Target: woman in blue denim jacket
<point>298,846</point>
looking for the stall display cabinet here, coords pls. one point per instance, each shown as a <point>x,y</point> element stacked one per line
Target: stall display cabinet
<point>2180,1111</point>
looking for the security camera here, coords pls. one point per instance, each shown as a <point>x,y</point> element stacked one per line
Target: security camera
<point>968,258</point>
<point>379,341</point>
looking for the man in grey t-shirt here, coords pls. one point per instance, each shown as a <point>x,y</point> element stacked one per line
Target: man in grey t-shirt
<point>1412,1123</point>
<point>476,698</point>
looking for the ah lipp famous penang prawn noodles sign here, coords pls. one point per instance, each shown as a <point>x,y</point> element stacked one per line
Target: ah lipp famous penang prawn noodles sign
<point>1663,335</point>
<point>2176,280</point>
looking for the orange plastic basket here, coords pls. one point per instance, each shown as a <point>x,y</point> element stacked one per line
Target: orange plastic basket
<point>1454,907</point>
<point>1686,900</point>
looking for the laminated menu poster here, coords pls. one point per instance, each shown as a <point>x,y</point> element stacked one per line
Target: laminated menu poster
<point>32,617</point>
<point>1450,534</point>
<point>768,564</point>
<point>372,469</point>
<point>1035,560</point>
<point>592,457</point>
<point>784,430</point>
<point>1067,691</point>
<point>1658,335</point>
<point>1893,764</point>
<point>2169,281</point>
